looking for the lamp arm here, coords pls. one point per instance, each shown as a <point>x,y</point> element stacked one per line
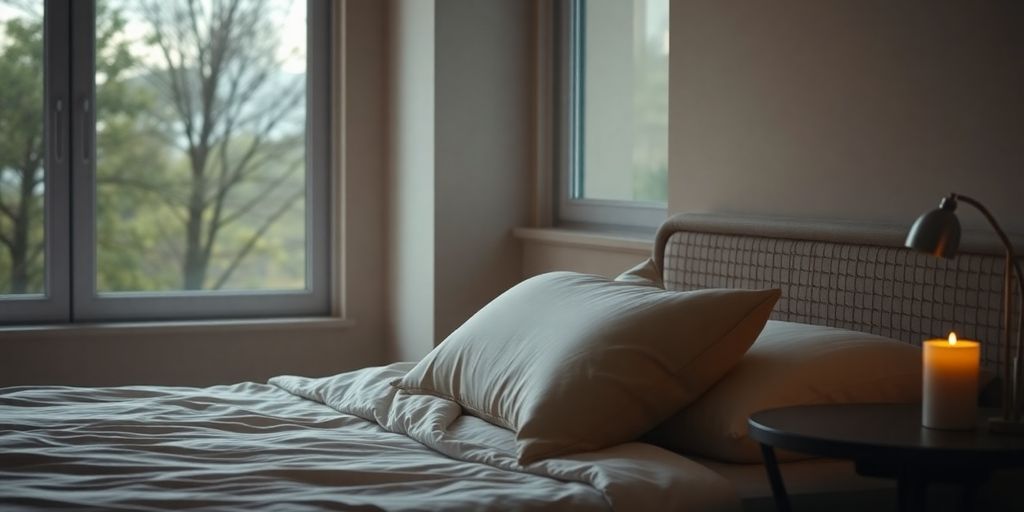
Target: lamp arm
<point>1011,257</point>
<point>995,225</point>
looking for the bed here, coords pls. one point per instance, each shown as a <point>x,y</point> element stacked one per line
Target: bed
<point>288,446</point>
<point>410,437</point>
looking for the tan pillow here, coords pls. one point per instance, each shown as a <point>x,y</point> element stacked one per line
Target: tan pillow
<point>575,362</point>
<point>792,364</point>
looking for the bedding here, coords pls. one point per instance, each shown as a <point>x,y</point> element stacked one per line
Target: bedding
<point>347,442</point>
<point>792,364</point>
<point>574,362</point>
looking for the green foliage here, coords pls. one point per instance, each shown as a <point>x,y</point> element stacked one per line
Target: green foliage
<point>21,156</point>
<point>651,184</point>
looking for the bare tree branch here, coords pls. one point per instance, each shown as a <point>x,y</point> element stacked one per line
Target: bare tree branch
<point>4,209</point>
<point>255,238</point>
<point>36,253</point>
<point>194,25</point>
<point>180,97</point>
<point>244,167</point>
<point>168,242</point>
<point>263,195</point>
<point>154,189</point>
<point>228,100</point>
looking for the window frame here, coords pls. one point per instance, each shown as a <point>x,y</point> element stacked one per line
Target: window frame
<point>71,253</point>
<point>570,205</point>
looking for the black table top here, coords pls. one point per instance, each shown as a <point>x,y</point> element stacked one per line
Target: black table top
<point>884,431</point>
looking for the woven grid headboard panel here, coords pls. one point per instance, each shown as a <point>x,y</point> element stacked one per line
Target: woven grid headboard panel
<point>879,287</point>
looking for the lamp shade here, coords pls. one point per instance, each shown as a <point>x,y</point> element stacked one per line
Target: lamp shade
<point>936,232</point>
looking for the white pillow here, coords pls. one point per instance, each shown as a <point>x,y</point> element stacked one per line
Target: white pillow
<point>575,362</point>
<point>792,364</point>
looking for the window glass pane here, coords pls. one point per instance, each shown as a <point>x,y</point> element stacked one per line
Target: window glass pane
<point>201,162</point>
<point>624,100</point>
<point>22,150</point>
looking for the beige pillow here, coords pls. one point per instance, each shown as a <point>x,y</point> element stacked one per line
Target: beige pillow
<point>575,362</point>
<point>792,364</point>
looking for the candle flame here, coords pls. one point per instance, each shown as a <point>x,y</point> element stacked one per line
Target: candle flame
<point>952,338</point>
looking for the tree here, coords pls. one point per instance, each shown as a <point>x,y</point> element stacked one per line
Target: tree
<point>21,155</point>
<point>227,108</point>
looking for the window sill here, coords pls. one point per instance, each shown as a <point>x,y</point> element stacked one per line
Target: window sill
<point>590,237</point>
<point>179,327</point>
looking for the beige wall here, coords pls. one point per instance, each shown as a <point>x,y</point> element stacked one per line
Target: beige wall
<point>411,180</point>
<point>482,127</point>
<point>460,161</point>
<point>540,257</point>
<point>205,355</point>
<point>867,110</point>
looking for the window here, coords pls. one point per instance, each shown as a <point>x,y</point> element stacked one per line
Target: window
<point>163,159</point>
<point>613,111</point>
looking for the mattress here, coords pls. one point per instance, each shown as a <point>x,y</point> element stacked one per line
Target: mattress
<point>348,442</point>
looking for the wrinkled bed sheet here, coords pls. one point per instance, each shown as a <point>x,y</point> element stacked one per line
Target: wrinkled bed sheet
<point>347,442</point>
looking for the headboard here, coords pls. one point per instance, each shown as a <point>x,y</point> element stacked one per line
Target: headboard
<point>846,275</point>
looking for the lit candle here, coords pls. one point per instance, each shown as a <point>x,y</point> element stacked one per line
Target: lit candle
<point>950,399</point>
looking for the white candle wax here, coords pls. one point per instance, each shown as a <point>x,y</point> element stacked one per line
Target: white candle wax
<point>950,399</point>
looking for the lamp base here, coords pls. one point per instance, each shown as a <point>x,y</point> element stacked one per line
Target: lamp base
<point>1000,425</point>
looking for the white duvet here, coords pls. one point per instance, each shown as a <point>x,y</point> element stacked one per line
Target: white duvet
<point>347,442</point>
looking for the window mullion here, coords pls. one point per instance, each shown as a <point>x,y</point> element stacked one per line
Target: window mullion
<point>82,148</point>
<point>58,210</point>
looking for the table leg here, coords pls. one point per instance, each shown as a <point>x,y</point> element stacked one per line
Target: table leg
<point>771,465</point>
<point>969,496</point>
<point>913,491</point>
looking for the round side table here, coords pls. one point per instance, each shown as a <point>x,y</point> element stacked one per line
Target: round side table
<point>886,440</point>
